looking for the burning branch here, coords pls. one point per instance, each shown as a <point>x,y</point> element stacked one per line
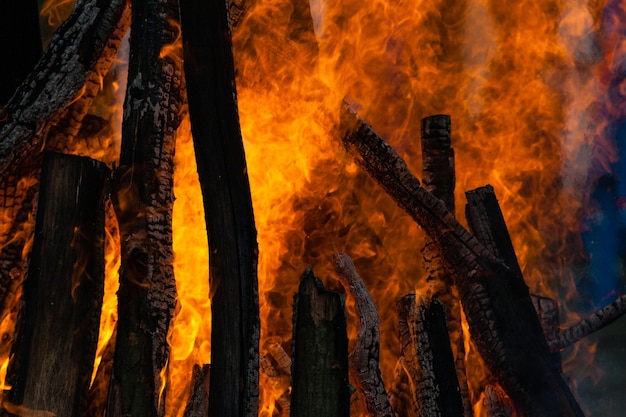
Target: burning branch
<point>83,46</point>
<point>509,338</point>
<point>364,359</point>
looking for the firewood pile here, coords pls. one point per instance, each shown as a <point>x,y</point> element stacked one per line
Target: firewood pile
<point>472,273</point>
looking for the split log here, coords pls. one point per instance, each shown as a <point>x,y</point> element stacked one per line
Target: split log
<point>438,173</point>
<point>54,352</point>
<point>21,37</point>
<point>320,384</point>
<point>77,50</point>
<point>198,403</point>
<point>428,355</point>
<point>365,358</point>
<point>143,198</point>
<point>509,339</point>
<point>220,156</point>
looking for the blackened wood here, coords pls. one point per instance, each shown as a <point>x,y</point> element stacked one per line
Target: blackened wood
<point>428,354</point>
<point>497,403</point>
<point>143,199</point>
<point>220,156</point>
<point>401,392</point>
<point>58,80</point>
<point>505,337</point>
<point>438,176</point>
<point>54,352</point>
<point>588,325</point>
<point>548,313</point>
<point>198,403</point>
<point>21,38</point>
<point>320,384</point>
<point>365,357</point>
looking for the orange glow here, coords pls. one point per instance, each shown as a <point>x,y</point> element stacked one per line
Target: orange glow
<point>535,95</point>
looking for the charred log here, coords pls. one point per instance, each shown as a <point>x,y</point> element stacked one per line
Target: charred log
<point>428,356</point>
<point>97,396</point>
<point>143,199</point>
<point>198,403</point>
<point>365,358</point>
<point>439,178</point>
<point>497,403</point>
<point>84,44</point>
<point>55,348</point>
<point>320,384</point>
<point>210,76</point>
<point>510,339</point>
<point>401,393</point>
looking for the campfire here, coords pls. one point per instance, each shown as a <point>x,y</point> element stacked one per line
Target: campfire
<point>411,209</point>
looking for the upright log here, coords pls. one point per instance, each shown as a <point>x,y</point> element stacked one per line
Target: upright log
<point>198,403</point>
<point>143,199</point>
<point>320,384</point>
<point>54,352</point>
<point>439,178</point>
<point>220,156</point>
<point>427,351</point>
<point>510,340</point>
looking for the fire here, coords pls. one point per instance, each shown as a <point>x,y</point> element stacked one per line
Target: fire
<point>535,91</point>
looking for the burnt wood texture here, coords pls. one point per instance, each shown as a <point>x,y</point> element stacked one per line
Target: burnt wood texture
<point>220,156</point>
<point>320,384</point>
<point>509,338</point>
<point>53,354</point>
<point>143,198</point>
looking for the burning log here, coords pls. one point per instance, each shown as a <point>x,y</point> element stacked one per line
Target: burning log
<point>428,355</point>
<point>320,351</point>
<point>439,178</point>
<point>401,392</point>
<point>84,44</point>
<point>365,358</point>
<point>509,338</point>
<point>143,199</point>
<point>55,348</point>
<point>97,396</point>
<point>210,76</point>
<point>198,403</point>
<point>497,403</point>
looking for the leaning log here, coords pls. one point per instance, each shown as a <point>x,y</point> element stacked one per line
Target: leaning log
<point>59,78</point>
<point>365,357</point>
<point>143,198</point>
<point>509,339</point>
<point>320,384</point>
<point>220,156</point>
<point>428,356</point>
<point>53,355</point>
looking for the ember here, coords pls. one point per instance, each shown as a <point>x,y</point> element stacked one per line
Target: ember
<point>535,95</point>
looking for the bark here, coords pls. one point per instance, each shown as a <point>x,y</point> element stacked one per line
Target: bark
<point>20,35</point>
<point>198,403</point>
<point>365,357</point>
<point>428,356</point>
<point>497,403</point>
<point>209,72</point>
<point>320,384</point>
<point>588,325</point>
<point>143,199</point>
<point>509,339</point>
<point>76,50</point>
<point>53,354</point>
<point>439,179</point>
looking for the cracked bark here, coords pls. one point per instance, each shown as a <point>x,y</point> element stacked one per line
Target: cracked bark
<point>439,179</point>
<point>505,337</point>
<point>198,403</point>
<point>143,199</point>
<point>365,358</point>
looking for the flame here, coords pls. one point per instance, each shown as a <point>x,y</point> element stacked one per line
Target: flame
<point>535,91</point>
